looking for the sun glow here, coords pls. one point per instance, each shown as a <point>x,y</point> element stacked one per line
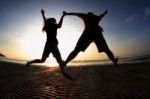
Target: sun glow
<point>33,42</point>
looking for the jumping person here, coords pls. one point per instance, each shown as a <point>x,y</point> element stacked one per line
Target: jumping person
<point>50,27</point>
<point>91,33</point>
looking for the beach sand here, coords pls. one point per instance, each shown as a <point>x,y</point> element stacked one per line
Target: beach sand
<point>126,81</point>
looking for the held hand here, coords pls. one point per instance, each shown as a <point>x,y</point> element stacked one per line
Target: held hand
<point>106,12</point>
<point>42,11</point>
<point>64,13</point>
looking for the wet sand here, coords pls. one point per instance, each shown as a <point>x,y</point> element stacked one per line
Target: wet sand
<point>126,81</point>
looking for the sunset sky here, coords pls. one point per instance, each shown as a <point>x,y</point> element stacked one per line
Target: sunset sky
<point>126,27</point>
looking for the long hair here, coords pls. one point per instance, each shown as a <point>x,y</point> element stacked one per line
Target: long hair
<point>49,22</point>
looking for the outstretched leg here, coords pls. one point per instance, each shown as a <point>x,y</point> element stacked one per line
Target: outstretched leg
<point>111,57</point>
<point>46,53</point>
<point>71,56</point>
<point>36,61</point>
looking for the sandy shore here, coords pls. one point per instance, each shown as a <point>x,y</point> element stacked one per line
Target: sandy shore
<point>126,81</point>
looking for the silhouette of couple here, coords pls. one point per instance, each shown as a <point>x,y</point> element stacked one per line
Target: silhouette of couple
<point>91,33</point>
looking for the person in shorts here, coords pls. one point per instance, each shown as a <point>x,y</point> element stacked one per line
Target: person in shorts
<point>92,33</point>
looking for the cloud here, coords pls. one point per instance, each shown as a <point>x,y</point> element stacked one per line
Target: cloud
<point>147,12</point>
<point>131,18</point>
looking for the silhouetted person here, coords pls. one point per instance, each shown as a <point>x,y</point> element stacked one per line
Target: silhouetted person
<point>91,33</point>
<point>50,27</point>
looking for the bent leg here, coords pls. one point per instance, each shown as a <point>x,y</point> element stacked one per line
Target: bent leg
<point>103,47</point>
<point>36,61</point>
<point>44,56</point>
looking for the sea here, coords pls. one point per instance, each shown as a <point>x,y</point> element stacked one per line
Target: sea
<point>137,59</point>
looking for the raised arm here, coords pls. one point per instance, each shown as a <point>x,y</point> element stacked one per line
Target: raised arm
<point>103,14</point>
<point>42,11</point>
<point>61,21</point>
